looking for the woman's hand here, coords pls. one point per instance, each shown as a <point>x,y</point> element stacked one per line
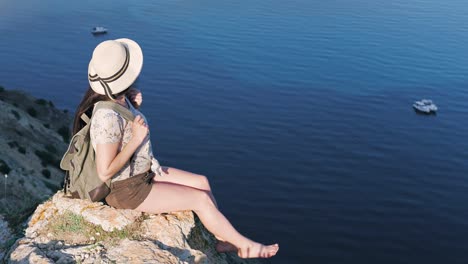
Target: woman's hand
<point>139,129</point>
<point>135,97</point>
<point>108,158</point>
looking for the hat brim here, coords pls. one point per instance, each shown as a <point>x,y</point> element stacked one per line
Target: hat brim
<point>131,74</point>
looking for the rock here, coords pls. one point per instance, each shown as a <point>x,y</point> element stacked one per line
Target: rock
<point>59,245</point>
<point>125,236</point>
<point>104,216</point>
<point>31,146</point>
<point>5,236</point>
<point>28,253</point>
<point>39,219</point>
<point>160,228</point>
<point>141,252</point>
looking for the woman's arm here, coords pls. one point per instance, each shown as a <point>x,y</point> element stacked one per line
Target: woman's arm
<point>109,160</point>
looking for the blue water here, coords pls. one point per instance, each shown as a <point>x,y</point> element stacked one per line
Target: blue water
<point>298,111</point>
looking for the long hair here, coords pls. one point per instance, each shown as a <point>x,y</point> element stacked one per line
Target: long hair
<point>86,106</point>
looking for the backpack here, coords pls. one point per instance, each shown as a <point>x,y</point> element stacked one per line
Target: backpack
<point>79,160</point>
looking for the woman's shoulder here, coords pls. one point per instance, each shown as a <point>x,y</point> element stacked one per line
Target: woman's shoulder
<point>106,114</point>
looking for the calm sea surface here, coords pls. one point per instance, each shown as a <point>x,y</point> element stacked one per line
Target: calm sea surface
<point>298,111</point>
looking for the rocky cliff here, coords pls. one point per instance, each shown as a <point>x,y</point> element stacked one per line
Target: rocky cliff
<point>62,230</point>
<point>33,137</point>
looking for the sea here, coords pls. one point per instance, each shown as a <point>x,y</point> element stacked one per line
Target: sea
<point>299,112</point>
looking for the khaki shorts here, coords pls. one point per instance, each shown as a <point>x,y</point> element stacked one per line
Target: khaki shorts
<point>131,192</point>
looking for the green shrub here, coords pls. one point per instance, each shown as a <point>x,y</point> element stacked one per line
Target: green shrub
<point>46,125</point>
<point>21,150</point>
<point>16,114</point>
<point>51,104</point>
<point>16,213</point>
<point>46,173</point>
<point>13,144</point>
<point>2,89</point>
<point>51,186</point>
<point>4,168</point>
<point>32,112</point>
<point>15,104</point>
<point>51,149</point>
<point>47,158</point>
<point>65,133</point>
<point>41,102</point>
<point>70,224</point>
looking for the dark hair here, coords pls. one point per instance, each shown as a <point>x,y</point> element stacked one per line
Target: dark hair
<point>86,106</point>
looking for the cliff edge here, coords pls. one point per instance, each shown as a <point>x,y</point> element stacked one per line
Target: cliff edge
<point>64,230</point>
<point>38,224</point>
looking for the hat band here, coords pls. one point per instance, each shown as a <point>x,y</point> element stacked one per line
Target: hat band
<point>104,81</point>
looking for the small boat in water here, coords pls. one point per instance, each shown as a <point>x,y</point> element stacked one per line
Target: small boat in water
<point>99,30</point>
<point>425,106</point>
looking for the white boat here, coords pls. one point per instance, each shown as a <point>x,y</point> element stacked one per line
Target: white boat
<point>99,30</point>
<point>425,106</point>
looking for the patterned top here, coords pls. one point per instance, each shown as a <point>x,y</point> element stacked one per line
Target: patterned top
<point>107,127</point>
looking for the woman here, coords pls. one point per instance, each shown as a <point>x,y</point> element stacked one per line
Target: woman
<point>124,153</point>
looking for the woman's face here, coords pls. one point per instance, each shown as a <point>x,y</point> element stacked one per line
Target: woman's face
<point>134,95</point>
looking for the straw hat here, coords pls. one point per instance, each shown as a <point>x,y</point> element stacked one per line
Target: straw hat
<point>115,65</point>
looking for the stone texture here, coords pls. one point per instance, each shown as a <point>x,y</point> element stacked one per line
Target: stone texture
<point>105,216</point>
<point>164,238</point>
<point>141,252</point>
<point>29,253</point>
<point>31,146</point>
<point>5,235</point>
<point>40,218</point>
<point>160,227</point>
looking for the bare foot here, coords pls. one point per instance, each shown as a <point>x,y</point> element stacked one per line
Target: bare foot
<point>224,246</point>
<point>257,250</point>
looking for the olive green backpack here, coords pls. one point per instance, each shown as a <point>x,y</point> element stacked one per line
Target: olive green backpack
<point>79,162</point>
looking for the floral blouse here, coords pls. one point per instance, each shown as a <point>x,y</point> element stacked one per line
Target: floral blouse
<point>107,127</point>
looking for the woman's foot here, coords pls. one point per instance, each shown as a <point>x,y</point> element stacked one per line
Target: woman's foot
<point>257,250</point>
<point>224,246</point>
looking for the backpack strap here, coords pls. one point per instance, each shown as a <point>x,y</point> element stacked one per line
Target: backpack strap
<point>130,105</point>
<point>85,118</point>
<point>123,111</point>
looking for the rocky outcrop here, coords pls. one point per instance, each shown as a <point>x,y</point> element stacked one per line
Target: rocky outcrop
<point>32,141</point>
<point>5,236</point>
<point>64,230</point>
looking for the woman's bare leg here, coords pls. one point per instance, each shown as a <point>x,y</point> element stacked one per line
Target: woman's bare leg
<point>181,177</point>
<point>169,197</point>
<point>186,178</point>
